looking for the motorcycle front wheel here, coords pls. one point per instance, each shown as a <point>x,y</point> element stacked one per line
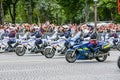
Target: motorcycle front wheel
<point>20,51</point>
<point>49,52</point>
<point>64,51</point>
<point>118,47</point>
<point>70,57</point>
<point>101,58</point>
<point>118,63</point>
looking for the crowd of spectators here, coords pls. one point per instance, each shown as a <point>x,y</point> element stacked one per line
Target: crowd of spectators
<point>47,27</point>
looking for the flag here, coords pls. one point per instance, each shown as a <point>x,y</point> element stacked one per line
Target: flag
<point>118,6</point>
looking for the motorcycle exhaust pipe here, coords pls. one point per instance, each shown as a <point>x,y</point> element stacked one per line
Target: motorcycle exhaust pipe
<point>99,55</point>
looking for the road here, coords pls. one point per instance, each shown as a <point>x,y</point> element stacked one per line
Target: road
<point>37,67</point>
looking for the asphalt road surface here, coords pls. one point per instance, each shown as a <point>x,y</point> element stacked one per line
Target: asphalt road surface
<point>37,67</point>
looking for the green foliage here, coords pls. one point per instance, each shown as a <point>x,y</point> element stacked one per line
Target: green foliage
<point>62,11</point>
<point>107,9</point>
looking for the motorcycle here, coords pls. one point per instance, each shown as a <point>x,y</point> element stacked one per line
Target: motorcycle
<point>118,62</point>
<point>82,52</point>
<point>55,47</point>
<point>24,47</point>
<point>41,47</point>
<point>45,42</point>
<point>3,44</point>
<point>115,45</point>
<point>29,46</point>
<point>5,47</point>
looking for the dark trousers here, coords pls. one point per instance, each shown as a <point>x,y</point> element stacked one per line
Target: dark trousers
<point>11,41</point>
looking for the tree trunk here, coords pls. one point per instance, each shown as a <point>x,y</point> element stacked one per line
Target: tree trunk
<point>87,12</point>
<point>47,16</point>
<point>112,15</point>
<point>1,14</point>
<point>14,13</point>
<point>57,18</point>
<point>30,11</point>
<point>39,21</point>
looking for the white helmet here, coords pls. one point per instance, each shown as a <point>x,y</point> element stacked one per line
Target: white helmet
<point>65,26</point>
<point>36,27</point>
<point>12,28</point>
<point>85,31</point>
<point>114,30</point>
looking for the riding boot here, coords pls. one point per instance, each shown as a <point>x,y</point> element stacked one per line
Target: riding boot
<point>93,52</point>
<point>92,49</point>
<point>10,45</point>
<point>16,45</point>
<point>38,46</point>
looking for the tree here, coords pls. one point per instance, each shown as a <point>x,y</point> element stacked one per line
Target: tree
<point>107,9</point>
<point>57,11</point>
<point>12,8</point>
<point>30,10</point>
<point>1,13</point>
<point>47,10</point>
<point>72,8</point>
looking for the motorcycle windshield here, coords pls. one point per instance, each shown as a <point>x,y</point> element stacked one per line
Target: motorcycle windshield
<point>77,36</point>
<point>54,36</point>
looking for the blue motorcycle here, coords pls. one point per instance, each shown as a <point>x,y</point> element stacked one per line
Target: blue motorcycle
<point>118,63</point>
<point>83,52</point>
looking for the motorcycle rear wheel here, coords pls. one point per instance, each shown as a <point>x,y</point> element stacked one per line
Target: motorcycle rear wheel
<point>70,57</point>
<point>102,58</point>
<point>118,63</point>
<point>20,51</point>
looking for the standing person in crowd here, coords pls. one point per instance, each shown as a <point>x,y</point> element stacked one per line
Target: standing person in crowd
<point>104,35</point>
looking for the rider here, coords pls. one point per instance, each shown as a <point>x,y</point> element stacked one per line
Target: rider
<point>93,39</point>
<point>89,32</point>
<point>12,35</point>
<point>66,32</point>
<point>26,34</point>
<point>5,33</point>
<point>115,35</point>
<point>37,33</point>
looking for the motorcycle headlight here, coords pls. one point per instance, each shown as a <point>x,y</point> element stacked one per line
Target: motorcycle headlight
<point>54,46</point>
<point>49,42</point>
<point>0,44</point>
<point>18,41</point>
<point>72,43</point>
